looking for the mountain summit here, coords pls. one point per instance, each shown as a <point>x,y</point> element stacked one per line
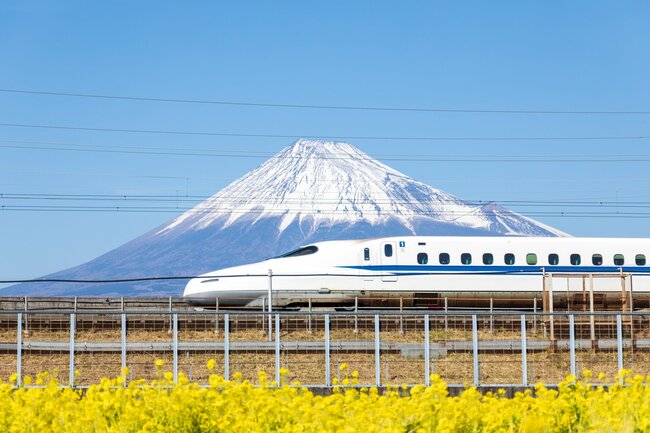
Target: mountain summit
<point>315,184</point>
<point>310,191</point>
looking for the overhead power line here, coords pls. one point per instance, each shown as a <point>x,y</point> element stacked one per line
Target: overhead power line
<point>233,200</point>
<point>322,106</point>
<point>279,212</point>
<point>139,150</point>
<point>321,137</point>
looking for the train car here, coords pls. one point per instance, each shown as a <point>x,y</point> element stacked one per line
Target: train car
<point>423,270</point>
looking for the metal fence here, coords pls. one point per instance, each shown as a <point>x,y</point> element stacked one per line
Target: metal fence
<point>488,349</point>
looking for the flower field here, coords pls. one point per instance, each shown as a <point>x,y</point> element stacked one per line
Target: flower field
<point>241,406</point>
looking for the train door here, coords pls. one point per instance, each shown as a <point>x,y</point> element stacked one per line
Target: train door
<point>368,260</point>
<point>388,261</point>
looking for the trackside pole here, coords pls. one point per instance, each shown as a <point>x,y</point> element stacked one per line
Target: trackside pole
<point>427,352</point>
<point>475,348</point>
<point>175,345</point>
<point>226,346</point>
<point>619,340</point>
<point>328,379</point>
<point>19,350</point>
<point>592,323</point>
<point>277,349</point>
<point>377,353</point>
<point>123,344</point>
<point>572,344</point>
<point>524,350</point>
<point>72,329</point>
<point>270,304</point>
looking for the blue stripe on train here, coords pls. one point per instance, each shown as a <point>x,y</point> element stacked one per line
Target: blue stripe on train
<point>489,269</point>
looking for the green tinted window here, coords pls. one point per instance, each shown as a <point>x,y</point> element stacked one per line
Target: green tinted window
<point>619,260</point>
<point>531,259</point>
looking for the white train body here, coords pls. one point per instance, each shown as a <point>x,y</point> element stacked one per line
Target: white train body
<point>431,267</point>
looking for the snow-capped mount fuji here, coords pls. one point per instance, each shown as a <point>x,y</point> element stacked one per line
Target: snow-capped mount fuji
<point>310,191</point>
<point>316,184</point>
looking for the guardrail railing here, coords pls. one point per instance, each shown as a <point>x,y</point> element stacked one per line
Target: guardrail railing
<point>321,348</point>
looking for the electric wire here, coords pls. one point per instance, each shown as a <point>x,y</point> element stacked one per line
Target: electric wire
<point>321,137</point>
<point>320,106</point>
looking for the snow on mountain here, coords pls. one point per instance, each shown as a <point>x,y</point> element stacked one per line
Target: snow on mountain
<point>310,191</point>
<point>335,182</point>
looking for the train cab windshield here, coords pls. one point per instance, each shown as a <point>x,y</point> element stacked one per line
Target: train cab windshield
<point>304,251</point>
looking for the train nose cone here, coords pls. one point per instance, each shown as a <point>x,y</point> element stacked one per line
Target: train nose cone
<point>195,291</point>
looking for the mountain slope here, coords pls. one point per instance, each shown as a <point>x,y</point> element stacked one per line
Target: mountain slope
<point>310,191</point>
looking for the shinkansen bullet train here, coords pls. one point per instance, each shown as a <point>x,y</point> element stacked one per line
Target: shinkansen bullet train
<point>424,270</point>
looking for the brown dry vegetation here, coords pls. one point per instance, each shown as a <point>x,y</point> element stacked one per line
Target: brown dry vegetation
<point>308,367</point>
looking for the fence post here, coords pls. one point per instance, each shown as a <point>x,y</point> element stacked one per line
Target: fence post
<point>475,348</point>
<point>377,353</point>
<point>123,344</point>
<point>446,312</point>
<point>427,352</point>
<point>309,317</point>
<point>72,329</point>
<point>491,315</point>
<point>619,340</point>
<point>226,348</point>
<point>270,306</point>
<point>277,348</point>
<point>175,344</point>
<point>328,373</point>
<point>356,315</point>
<point>19,350</point>
<point>524,351</point>
<point>572,344</point>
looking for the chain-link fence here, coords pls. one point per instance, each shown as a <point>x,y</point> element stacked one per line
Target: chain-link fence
<point>321,349</point>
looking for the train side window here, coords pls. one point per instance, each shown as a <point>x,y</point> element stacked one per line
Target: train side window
<point>575,259</point>
<point>488,259</point>
<point>509,259</point>
<point>423,258</point>
<point>640,259</point>
<point>553,259</point>
<point>366,254</point>
<point>597,259</point>
<point>388,250</point>
<point>466,258</point>
<point>443,258</point>
<point>531,259</point>
<point>619,260</point>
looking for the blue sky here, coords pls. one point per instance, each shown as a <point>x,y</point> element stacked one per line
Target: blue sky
<point>557,56</point>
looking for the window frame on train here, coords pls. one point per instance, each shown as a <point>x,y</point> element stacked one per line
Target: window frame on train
<point>531,259</point>
<point>509,259</point>
<point>302,251</point>
<point>575,259</point>
<point>466,259</point>
<point>488,259</point>
<point>423,259</point>
<point>639,260</point>
<point>366,254</point>
<point>597,259</point>
<point>388,250</point>
<point>444,258</point>
<point>619,259</point>
<point>553,259</point>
